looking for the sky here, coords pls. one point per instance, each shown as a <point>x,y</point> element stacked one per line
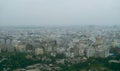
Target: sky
<point>59,12</point>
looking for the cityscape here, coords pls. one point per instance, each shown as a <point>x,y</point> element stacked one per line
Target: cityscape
<point>63,48</point>
<point>59,35</point>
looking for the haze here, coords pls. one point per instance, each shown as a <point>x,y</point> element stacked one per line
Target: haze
<point>59,12</point>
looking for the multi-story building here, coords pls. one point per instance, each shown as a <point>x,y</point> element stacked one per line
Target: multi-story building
<point>39,51</point>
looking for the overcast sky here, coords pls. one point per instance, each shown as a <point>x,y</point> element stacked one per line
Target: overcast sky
<point>59,12</point>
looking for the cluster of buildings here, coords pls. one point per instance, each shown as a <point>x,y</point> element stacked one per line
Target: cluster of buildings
<point>41,67</point>
<point>90,41</point>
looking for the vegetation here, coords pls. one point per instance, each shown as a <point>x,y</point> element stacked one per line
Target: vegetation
<point>19,60</point>
<point>94,64</point>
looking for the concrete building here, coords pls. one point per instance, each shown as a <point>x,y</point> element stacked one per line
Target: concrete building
<point>90,52</point>
<point>20,48</point>
<point>39,51</point>
<point>100,51</point>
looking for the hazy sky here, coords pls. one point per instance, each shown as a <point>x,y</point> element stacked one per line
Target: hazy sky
<point>59,12</point>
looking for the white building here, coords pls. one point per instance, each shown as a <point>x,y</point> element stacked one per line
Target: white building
<point>39,51</point>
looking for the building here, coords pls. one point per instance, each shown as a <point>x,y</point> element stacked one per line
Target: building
<point>20,48</point>
<point>101,51</point>
<point>39,51</point>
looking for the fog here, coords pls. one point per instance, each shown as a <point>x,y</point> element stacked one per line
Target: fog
<point>59,12</point>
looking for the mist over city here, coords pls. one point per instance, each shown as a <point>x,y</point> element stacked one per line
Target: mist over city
<point>59,35</point>
<point>63,12</point>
